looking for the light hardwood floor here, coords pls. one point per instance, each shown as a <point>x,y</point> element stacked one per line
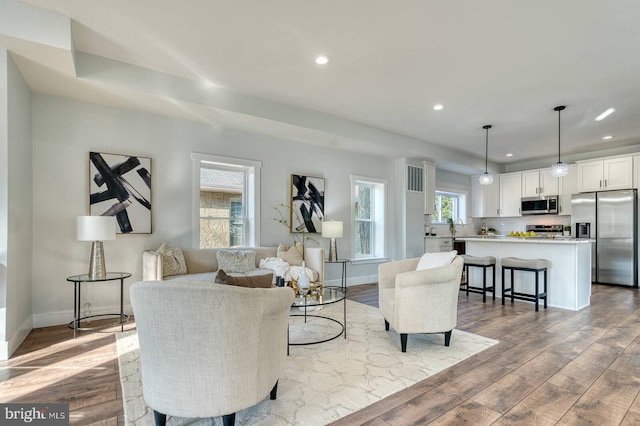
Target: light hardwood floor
<point>550,367</point>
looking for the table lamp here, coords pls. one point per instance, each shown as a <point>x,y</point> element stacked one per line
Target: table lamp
<point>332,229</point>
<point>96,229</point>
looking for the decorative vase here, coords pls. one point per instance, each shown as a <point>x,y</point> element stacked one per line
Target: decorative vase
<point>303,281</point>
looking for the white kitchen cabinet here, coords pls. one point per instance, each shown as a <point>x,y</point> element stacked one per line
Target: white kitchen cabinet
<point>429,188</point>
<point>437,244</point>
<point>539,182</point>
<point>510,187</point>
<point>606,174</point>
<point>568,187</point>
<point>485,198</point>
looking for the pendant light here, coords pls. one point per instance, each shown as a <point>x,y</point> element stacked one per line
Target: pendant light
<point>559,169</point>
<point>486,178</point>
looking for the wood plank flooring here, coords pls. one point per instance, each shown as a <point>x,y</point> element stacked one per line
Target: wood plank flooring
<point>550,367</point>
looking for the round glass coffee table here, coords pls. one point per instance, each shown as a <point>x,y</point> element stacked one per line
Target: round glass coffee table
<point>327,296</point>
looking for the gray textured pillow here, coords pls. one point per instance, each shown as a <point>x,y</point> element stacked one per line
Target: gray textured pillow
<point>236,260</point>
<point>172,260</point>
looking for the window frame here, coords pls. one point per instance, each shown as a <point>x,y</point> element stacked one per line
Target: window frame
<point>462,205</point>
<point>379,220</point>
<point>251,194</point>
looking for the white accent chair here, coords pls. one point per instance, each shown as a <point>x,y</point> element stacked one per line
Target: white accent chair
<point>209,350</point>
<point>424,301</point>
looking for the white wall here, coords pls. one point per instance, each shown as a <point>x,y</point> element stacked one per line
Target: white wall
<point>16,245</point>
<point>4,196</point>
<point>64,132</point>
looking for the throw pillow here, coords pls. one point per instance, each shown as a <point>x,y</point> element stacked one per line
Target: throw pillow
<point>251,281</point>
<point>172,260</point>
<point>292,255</point>
<point>435,260</point>
<point>236,260</point>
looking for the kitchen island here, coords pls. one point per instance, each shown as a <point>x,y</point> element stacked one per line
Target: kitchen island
<point>569,273</point>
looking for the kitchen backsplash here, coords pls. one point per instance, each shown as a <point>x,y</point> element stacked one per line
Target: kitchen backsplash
<point>502,225</point>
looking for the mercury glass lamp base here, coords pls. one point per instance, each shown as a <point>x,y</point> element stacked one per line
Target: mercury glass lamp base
<point>333,250</point>
<point>97,268</point>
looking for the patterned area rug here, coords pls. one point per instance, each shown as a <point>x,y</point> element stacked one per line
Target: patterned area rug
<point>326,381</point>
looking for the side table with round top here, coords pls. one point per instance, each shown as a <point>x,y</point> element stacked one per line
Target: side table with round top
<point>77,281</point>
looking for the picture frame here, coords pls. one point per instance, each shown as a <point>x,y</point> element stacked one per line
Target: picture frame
<point>120,186</point>
<point>307,204</point>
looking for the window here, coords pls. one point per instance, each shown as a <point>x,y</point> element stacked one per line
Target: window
<point>368,217</point>
<point>225,201</point>
<point>449,205</point>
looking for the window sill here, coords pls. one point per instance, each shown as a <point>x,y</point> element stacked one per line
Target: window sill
<point>369,260</point>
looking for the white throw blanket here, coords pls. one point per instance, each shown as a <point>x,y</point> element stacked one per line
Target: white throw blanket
<point>283,269</point>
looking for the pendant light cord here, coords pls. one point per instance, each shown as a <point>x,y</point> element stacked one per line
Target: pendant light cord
<point>559,136</point>
<point>559,108</point>
<point>486,148</point>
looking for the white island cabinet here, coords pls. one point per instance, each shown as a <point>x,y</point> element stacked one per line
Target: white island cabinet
<point>569,274</point>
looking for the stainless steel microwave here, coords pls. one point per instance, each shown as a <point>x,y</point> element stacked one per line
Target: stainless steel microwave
<point>539,205</point>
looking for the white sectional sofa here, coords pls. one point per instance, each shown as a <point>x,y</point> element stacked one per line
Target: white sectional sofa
<point>202,264</point>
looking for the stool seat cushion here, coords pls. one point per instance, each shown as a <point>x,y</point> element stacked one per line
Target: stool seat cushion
<point>516,262</point>
<point>479,260</point>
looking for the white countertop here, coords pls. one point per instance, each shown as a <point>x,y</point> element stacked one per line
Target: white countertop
<point>528,240</point>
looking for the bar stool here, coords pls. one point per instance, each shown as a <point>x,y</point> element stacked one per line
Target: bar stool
<point>529,265</point>
<point>483,262</point>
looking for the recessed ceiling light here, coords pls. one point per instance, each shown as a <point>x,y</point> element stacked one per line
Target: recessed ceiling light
<point>606,138</point>
<point>322,59</point>
<point>438,107</point>
<point>605,114</point>
<point>509,155</point>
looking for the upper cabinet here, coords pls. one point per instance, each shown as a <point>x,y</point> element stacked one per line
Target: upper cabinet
<point>510,184</point>
<point>429,188</point>
<point>606,174</point>
<point>539,182</point>
<point>485,198</point>
<point>568,187</point>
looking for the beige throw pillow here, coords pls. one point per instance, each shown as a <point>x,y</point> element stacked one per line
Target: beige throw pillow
<point>172,260</point>
<point>435,260</point>
<point>236,260</point>
<point>292,255</point>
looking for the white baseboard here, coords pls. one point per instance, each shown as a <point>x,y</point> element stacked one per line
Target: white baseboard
<point>65,317</point>
<point>363,279</point>
<point>9,347</point>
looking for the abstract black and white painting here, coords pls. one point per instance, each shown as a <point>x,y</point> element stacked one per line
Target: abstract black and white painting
<point>307,203</point>
<point>120,186</point>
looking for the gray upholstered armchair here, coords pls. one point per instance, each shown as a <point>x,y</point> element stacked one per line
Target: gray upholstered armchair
<point>424,301</point>
<point>209,350</point>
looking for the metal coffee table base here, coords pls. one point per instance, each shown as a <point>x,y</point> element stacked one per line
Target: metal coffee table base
<point>315,342</point>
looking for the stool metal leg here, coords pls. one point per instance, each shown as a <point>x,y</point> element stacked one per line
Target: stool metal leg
<point>493,283</point>
<point>513,287</point>
<point>537,290</point>
<point>546,295</point>
<point>504,286</point>
<point>484,284</point>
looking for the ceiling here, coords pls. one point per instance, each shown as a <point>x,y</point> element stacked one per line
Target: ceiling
<point>502,62</point>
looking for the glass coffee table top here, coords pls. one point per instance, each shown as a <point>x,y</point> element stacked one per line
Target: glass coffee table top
<point>327,296</point>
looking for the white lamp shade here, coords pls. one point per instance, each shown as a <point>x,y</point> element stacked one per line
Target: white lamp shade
<point>95,228</point>
<point>332,229</point>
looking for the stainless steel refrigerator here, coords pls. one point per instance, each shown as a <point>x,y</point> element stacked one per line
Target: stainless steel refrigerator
<point>609,217</point>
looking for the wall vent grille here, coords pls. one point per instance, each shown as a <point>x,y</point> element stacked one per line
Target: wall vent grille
<point>415,178</point>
